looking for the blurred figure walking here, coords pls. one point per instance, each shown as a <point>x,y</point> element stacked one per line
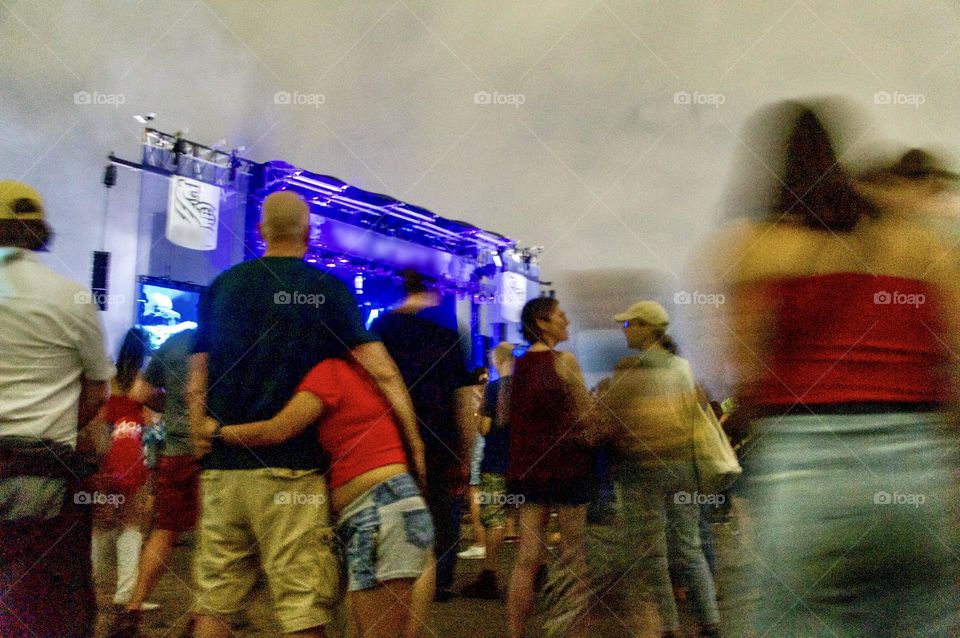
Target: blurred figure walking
<point>844,319</point>
<point>646,417</point>
<point>477,549</point>
<point>176,477</point>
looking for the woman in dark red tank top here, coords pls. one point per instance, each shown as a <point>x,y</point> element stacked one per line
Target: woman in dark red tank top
<point>549,465</point>
<point>842,321</point>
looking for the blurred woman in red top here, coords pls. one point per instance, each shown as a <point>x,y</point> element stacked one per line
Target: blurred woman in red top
<point>549,464</point>
<point>842,318</point>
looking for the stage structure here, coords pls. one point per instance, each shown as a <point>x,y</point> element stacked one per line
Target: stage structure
<point>199,208</point>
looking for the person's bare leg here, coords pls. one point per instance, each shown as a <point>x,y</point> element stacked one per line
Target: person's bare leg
<point>532,543</point>
<point>422,597</point>
<point>494,541</point>
<point>153,562</point>
<point>216,627</point>
<point>479,534</point>
<point>379,611</point>
<point>211,627</point>
<point>573,556</point>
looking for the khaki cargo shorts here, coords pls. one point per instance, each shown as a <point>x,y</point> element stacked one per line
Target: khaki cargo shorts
<point>272,521</point>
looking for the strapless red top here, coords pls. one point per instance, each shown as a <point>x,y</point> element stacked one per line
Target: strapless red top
<point>854,337</point>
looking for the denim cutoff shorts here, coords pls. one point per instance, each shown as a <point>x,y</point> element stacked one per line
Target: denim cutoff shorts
<point>386,533</point>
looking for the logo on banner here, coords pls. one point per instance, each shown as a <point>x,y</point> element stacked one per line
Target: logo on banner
<point>193,210</point>
<point>512,294</point>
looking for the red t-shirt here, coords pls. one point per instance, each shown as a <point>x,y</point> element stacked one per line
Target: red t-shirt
<point>357,429</point>
<point>123,466</point>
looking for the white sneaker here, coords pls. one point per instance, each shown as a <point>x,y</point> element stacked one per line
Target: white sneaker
<point>474,552</point>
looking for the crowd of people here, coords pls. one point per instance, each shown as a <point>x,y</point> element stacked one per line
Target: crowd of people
<point>337,463</point>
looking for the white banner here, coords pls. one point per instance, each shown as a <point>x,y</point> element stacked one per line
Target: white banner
<point>511,295</point>
<point>193,212</point>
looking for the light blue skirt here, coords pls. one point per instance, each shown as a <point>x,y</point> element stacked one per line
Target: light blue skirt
<point>853,523</point>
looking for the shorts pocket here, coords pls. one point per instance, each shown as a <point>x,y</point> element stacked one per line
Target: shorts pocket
<point>418,528</point>
<point>329,586</point>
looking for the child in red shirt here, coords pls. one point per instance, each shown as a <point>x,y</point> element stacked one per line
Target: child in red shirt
<point>119,491</point>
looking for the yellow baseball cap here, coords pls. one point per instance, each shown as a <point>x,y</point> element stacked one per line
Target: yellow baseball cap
<point>19,201</point>
<point>646,311</point>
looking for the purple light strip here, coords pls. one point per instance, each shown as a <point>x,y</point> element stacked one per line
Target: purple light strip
<point>406,211</point>
<point>316,185</point>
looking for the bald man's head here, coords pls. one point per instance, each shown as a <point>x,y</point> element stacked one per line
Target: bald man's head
<point>285,218</point>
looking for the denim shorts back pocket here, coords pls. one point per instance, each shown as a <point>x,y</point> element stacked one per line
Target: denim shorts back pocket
<point>418,528</point>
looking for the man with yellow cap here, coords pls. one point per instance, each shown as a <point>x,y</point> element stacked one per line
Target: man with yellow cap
<point>21,217</point>
<point>649,406</point>
<point>53,379</point>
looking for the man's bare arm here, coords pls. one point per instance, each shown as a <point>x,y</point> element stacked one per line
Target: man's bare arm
<point>197,402</point>
<point>93,394</point>
<point>466,417</point>
<point>377,362</point>
<point>484,423</point>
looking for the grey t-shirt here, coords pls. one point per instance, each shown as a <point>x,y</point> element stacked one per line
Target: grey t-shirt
<point>168,370</point>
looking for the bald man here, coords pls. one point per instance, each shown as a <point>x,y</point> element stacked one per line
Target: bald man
<point>264,324</point>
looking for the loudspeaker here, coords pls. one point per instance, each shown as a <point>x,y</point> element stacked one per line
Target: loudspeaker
<point>110,176</point>
<point>99,282</point>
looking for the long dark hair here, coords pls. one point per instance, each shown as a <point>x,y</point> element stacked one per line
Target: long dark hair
<point>667,343</point>
<point>538,309</point>
<point>816,189</point>
<point>133,352</point>
<point>790,170</point>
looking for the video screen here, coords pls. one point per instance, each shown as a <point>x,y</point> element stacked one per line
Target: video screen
<point>166,308</point>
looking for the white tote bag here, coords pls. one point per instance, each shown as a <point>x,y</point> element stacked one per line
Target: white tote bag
<point>717,466</point>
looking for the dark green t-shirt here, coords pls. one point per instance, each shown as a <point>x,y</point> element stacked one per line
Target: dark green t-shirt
<point>265,324</point>
<point>168,370</point>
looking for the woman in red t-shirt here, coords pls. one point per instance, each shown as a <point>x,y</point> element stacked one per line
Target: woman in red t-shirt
<point>383,521</point>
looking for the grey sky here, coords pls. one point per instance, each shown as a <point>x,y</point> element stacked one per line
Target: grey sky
<point>602,162</point>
